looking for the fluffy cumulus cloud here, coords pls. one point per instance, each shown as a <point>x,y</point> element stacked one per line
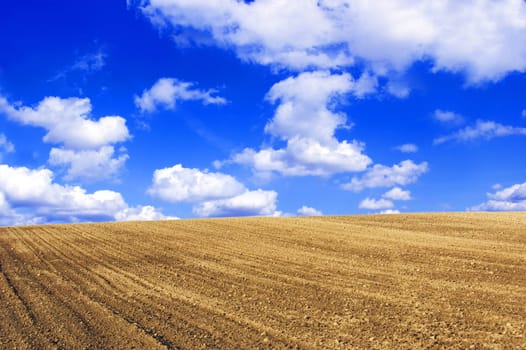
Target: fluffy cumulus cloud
<point>304,110</point>
<point>397,194</point>
<point>404,173</point>
<point>9,216</point>
<point>288,33</point>
<point>88,164</point>
<point>309,211</point>
<point>33,191</point>
<point>478,38</point>
<point>408,148</point>
<point>68,123</point>
<point>386,202</point>
<point>306,121</point>
<point>166,92</point>
<point>214,193</point>
<point>389,211</point>
<point>511,198</point>
<point>249,203</point>
<point>306,157</point>
<point>180,184</point>
<point>142,213</point>
<point>486,130</point>
<point>375,204</point>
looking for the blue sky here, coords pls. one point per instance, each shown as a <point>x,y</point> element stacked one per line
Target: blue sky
<point>172,108</point>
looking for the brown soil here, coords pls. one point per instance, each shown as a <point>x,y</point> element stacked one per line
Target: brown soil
<point>421,281</point>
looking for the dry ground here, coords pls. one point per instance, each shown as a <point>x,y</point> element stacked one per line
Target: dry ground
<point>421,281</point>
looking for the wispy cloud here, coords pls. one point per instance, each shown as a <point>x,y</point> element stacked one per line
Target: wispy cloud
<point>407,148</point>
<point>91,62</point>
<point>166,92</point>
<point>6,145</point>
<point>88,64</point>
<point>448,117</point>
<point>482,129</point>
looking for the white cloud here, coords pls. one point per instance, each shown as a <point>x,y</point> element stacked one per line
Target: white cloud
<point>493,205</point>
<point>35,189</point>
<point>386,202</point>
<point>215,194</point>
<point>390,211</point>
<point>408,148</point>
<point>166,92</point>
<point>285,33</point>
<point>523,113</point>
<point>30,196</point>
<point>142,213</point>
<point>87,149</point>
<point>448,117</point>
<point>398,89</point>
<point>375,204</point>
<point>478,38</point>
<point>179,184</point>
<point>481,130</point>
<point>397,194</point>
<point>512,193</point>
<point>88,164</point>
<point>512,198</point>
<point>309,211</point>
<point>67,121</point>
<point>86,64</point>
<point>304,105</point>
<point>249,203</point>
<point>6,145</point>
<point>305,119</point>
<point>365,85</point>
<point>406,172</point>
<point>306,157</point>
<point>91,62</point>
<point>9,217</point>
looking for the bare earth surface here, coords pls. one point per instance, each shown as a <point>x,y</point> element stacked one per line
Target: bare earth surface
<point>420,281</point>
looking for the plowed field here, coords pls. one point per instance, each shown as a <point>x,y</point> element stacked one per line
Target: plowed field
<point>420,281</point>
